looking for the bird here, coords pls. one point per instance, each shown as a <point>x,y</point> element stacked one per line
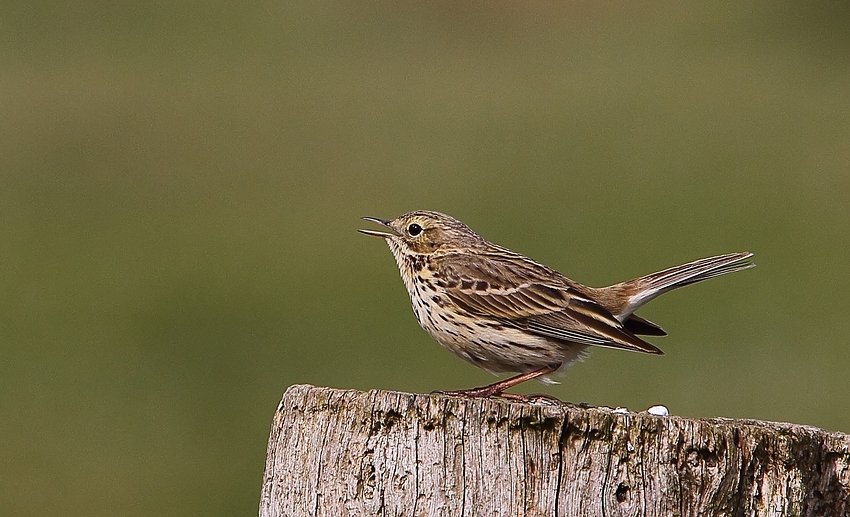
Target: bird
<point>505,313</point>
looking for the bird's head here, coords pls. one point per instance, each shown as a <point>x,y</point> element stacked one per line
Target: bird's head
<point>424,232</point>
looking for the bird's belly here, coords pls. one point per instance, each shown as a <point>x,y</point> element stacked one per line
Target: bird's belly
<point>488,344</point>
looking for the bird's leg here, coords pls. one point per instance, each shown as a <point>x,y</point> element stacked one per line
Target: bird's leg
<point>498,387</point>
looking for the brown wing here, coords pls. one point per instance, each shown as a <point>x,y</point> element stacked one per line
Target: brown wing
<point>530,296</point>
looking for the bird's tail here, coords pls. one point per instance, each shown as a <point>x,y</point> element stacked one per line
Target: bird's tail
<point>641,290</point>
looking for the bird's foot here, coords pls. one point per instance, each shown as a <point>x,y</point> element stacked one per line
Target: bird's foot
<point>490,391</point>
<point>497,388</point>
<point>474,393</point>
<point>533,398</point>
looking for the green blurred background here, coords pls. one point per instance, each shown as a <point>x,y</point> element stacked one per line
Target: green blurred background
<point>181,182</point>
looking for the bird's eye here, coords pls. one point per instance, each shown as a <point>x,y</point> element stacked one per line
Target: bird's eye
<point>414,230</point>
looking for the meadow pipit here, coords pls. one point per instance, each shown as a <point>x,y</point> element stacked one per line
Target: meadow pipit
<point>504,312</point>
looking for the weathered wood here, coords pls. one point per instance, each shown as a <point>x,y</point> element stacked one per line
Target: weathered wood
<point>338,453</point>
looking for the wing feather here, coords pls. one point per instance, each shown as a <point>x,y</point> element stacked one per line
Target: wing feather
<point>532,297</point>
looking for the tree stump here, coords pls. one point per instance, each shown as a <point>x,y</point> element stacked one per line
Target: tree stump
<point>338,453</point>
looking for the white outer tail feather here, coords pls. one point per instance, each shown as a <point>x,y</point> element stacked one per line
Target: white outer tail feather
<point>656,284</point>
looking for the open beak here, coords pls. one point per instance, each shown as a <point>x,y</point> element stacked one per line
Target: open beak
<point>382,222</point>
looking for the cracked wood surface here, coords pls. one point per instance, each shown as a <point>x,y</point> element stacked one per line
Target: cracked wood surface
<point>339,453</point>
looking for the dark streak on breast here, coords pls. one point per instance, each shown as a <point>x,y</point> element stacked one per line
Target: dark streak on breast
<point>439,301</point>
<point>417,262</point>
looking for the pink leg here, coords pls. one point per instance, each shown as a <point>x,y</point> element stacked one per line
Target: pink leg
<point>498,387</point>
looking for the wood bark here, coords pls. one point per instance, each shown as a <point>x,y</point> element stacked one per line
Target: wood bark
<point>339,453</point>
